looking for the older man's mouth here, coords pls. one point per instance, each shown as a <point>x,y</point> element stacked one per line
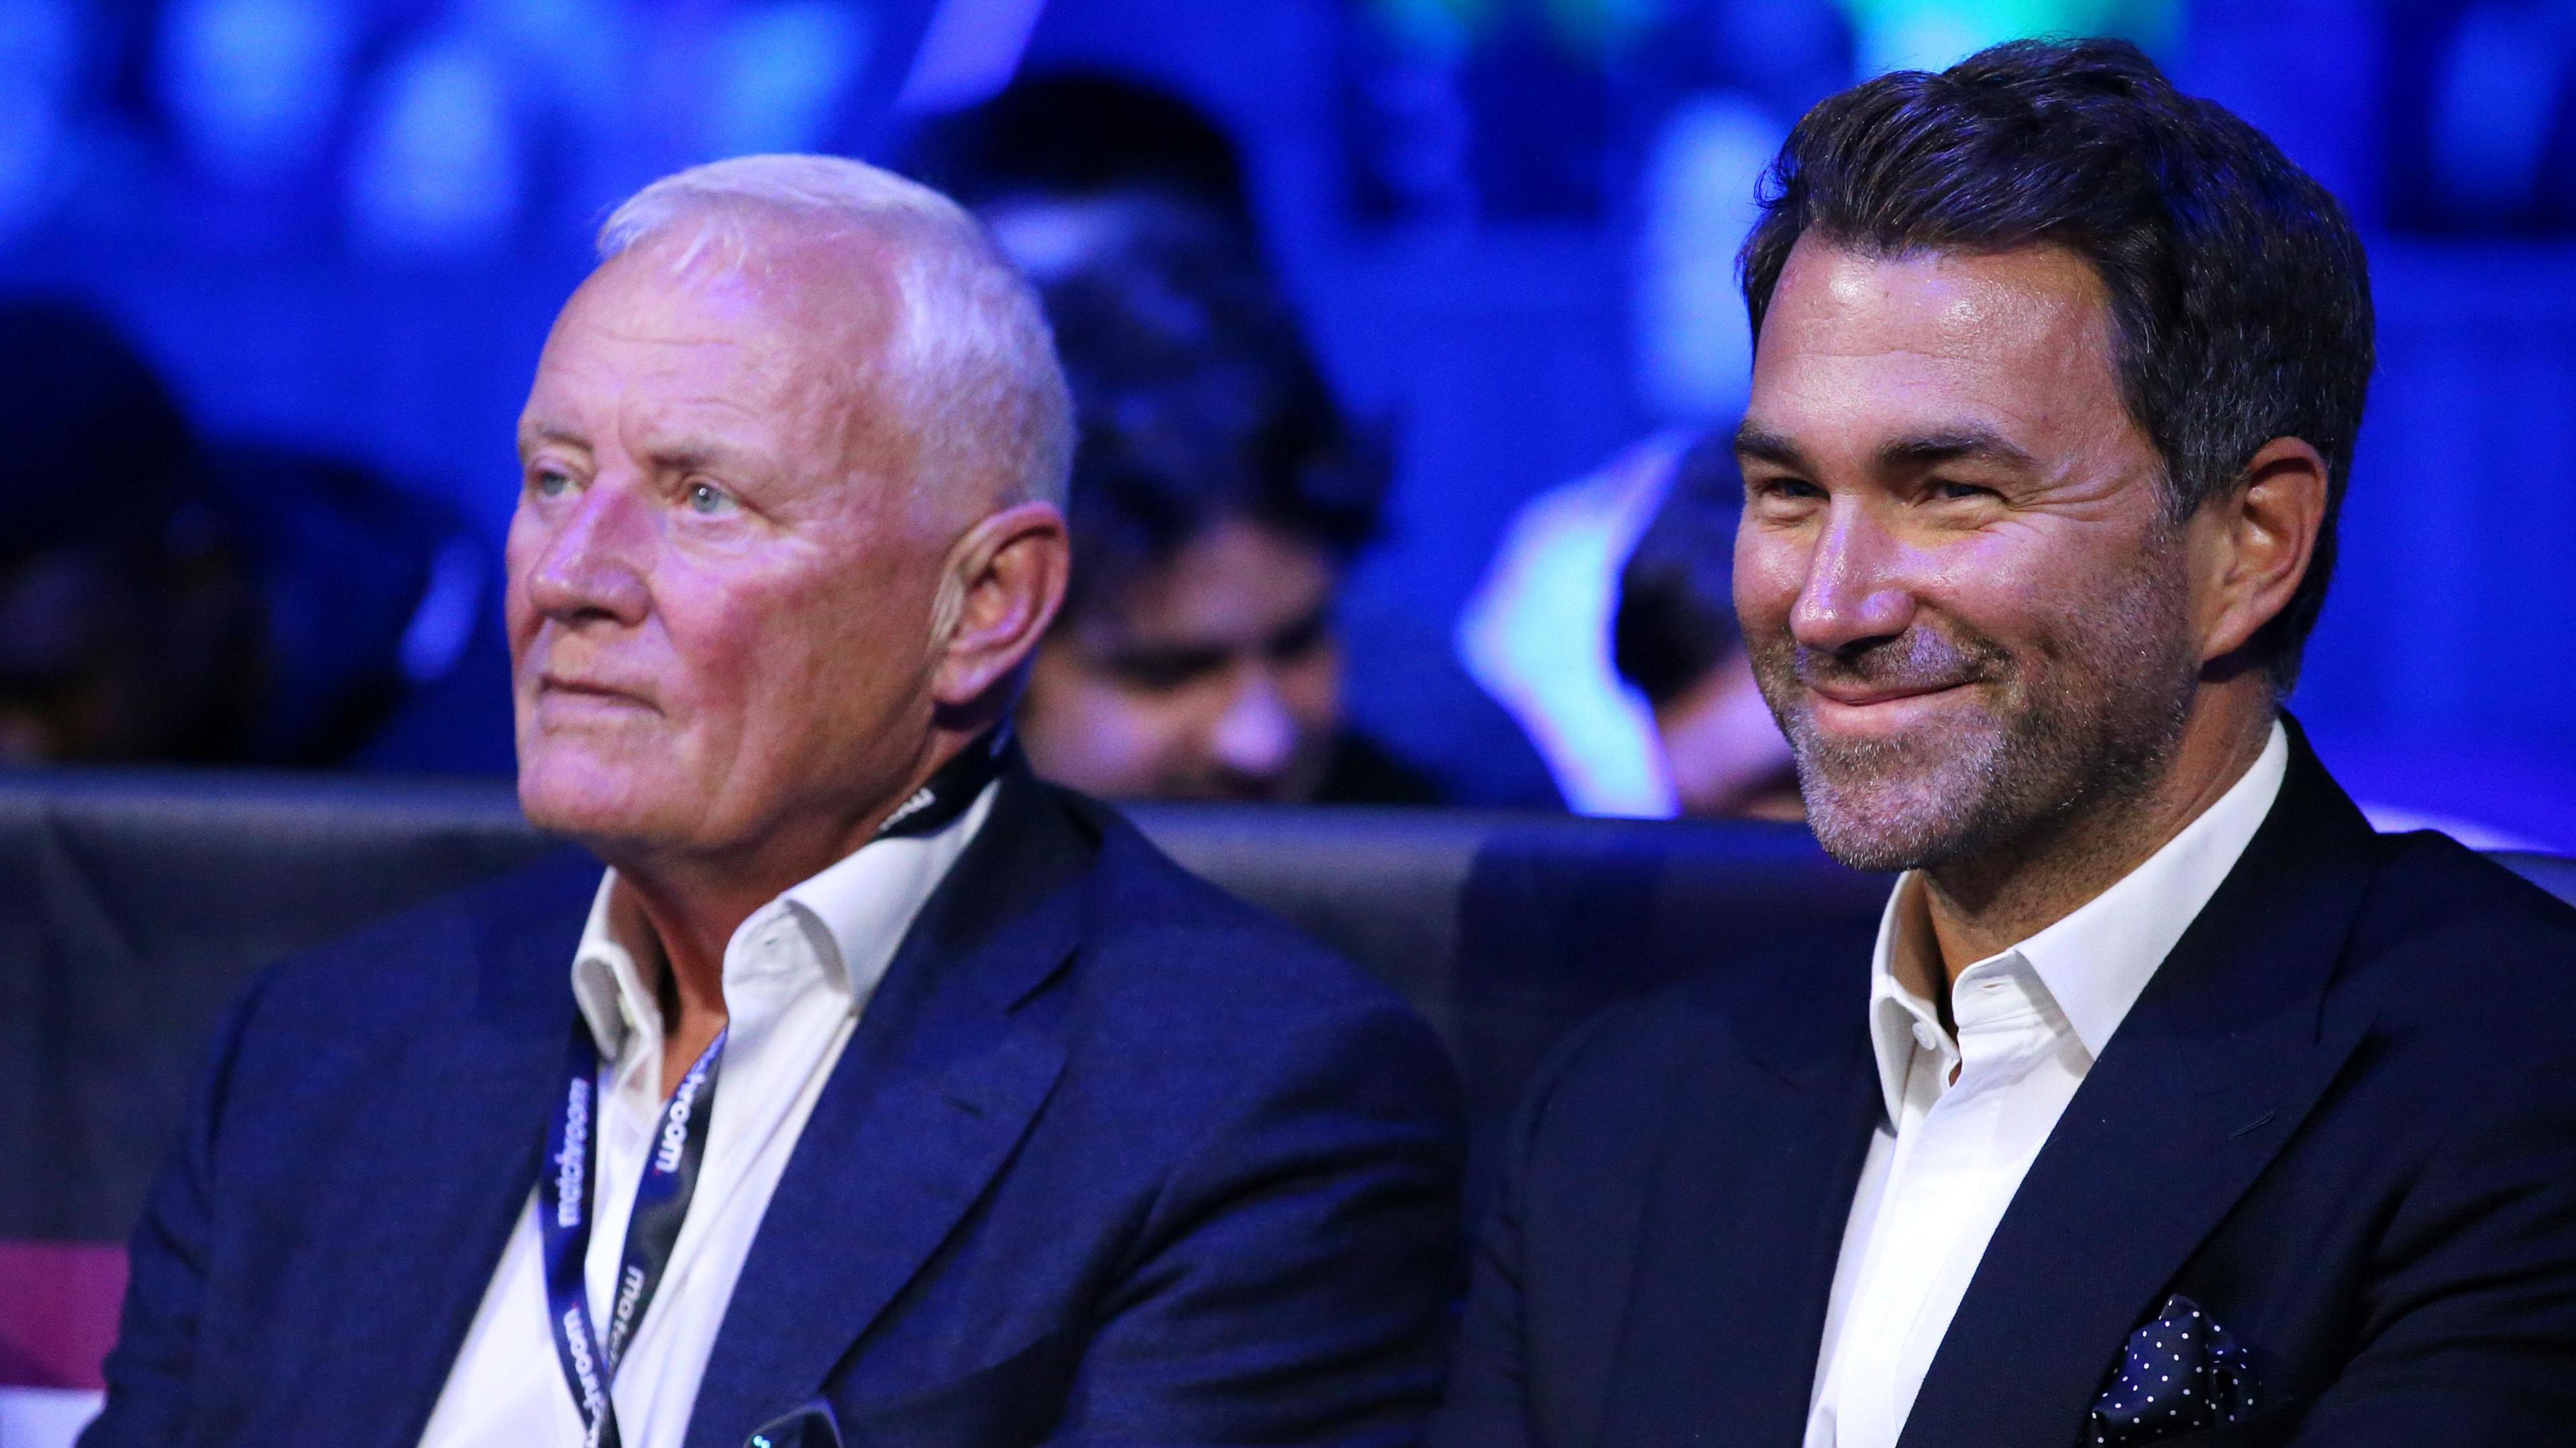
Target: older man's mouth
<point>567,700</point>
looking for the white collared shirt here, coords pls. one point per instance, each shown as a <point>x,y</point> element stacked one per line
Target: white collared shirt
<point>1950,1154</point>
<point>796,976</point>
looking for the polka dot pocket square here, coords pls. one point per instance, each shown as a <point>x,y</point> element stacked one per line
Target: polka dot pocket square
<point>2182,1373</point>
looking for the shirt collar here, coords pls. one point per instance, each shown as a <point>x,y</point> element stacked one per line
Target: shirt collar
<point>854,912</point>
<point>2096,961</point>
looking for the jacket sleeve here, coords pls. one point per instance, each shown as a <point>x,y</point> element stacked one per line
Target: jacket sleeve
<point>150,1372</point>
<point>1297,1270</point>
<point>1487,1404</point>
<point>2468,1334</point>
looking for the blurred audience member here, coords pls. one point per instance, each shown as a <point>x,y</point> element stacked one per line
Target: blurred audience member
<point>380,612</point>
<point>1218,496</point>
<point>167,601</point>
<point>128,627</point>
<point>1674,640</point>
<point>1074,135</point>
<point>1537,632</point>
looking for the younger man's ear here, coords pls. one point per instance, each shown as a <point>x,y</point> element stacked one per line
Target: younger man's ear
<point>2266,535</point>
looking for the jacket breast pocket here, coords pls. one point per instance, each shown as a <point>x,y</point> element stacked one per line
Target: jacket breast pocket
<point>2267,1429</point>
<point>1015,1401</point>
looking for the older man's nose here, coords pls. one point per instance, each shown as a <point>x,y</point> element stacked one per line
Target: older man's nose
<point>1855,589</point>
<point>592,566</point>
<point>1256,736</point>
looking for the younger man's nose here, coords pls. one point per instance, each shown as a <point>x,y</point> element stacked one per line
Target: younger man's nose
<point>1854,587</point>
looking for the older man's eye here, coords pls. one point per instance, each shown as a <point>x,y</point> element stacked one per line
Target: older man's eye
<point>549,484</point>
<point>709,501</point>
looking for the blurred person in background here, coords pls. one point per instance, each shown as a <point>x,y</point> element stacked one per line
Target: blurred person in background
<point>168,600</point>
<point>1674,640</point>
<point>1220,493</point>
<point>1072,136</point>
<point>1537,632</point>
<point>1218,497</point>
<point>129,627</point>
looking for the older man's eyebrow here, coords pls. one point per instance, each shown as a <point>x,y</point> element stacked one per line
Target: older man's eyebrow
<point>538,434</point>
<point>1968,444</point>
<point>680,456</point>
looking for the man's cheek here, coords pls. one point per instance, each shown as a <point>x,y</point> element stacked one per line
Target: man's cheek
<point>1313,692</point>
<point>1768,577</point>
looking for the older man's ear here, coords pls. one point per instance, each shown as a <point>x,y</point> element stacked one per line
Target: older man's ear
<point>1005,580</point>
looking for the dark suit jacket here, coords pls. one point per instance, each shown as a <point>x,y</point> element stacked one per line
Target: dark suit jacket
<point>1110,1157</point>
<point>2341,1119</point>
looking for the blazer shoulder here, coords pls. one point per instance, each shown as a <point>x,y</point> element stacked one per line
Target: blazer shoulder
<point>1178,982</point>
<point>405,972</point>
<point>1606,1073</point>
<point>1186,938</point>
<point>2447,937</point>
<point>1784,1011</point>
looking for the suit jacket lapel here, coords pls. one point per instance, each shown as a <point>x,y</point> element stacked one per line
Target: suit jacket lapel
<point>443,1170</point>
<point>935,1089</point>
<point>1764,1139</point>
<point>2221,1059</point>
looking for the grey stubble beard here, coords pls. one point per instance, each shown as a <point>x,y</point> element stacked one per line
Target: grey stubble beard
<point>2072,728</point>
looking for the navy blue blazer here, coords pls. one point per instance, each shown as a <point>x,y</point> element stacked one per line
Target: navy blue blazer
<point>2341,1120</point>
<point>1111,1157</point>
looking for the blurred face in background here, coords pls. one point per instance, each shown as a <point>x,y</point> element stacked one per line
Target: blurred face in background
<point>75,685</point>
<point>720,586</point>
<point>107,659</point>
<point>1957,574</point>
<point>1215,675</point>
<point>1723,751</point>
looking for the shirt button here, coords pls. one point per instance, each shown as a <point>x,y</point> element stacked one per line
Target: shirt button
<point>1926,1037</point>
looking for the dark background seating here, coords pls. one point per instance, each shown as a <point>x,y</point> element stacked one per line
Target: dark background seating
<point>135,906</point>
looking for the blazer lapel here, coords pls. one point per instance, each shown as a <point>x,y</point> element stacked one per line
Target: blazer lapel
<point>444,1168</point>
<point>2224,1055</point>
<point>935,1089</point>
<point>1766,1130</point>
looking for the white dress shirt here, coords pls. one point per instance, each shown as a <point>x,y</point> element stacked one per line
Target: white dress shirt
<point>796,976</point>
<point>1947,1159</point>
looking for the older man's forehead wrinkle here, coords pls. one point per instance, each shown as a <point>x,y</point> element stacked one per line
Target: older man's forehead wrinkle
<point>536,432</point>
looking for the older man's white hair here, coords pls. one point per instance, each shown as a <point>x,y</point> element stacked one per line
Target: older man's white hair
<point>970,359</point>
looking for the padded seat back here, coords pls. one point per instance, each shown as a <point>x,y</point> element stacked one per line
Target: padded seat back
<point>136,906</point>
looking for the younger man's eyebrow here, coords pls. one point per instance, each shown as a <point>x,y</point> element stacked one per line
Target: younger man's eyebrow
<point>1967,444</point>
<point>1752,440</point>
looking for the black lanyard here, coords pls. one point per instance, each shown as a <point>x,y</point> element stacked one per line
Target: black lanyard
<point>661,1204</point>
<point>679,1145</point>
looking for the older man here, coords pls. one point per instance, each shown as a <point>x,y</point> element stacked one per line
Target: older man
<point>2175,1103</point>
<point>876,1089</point>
